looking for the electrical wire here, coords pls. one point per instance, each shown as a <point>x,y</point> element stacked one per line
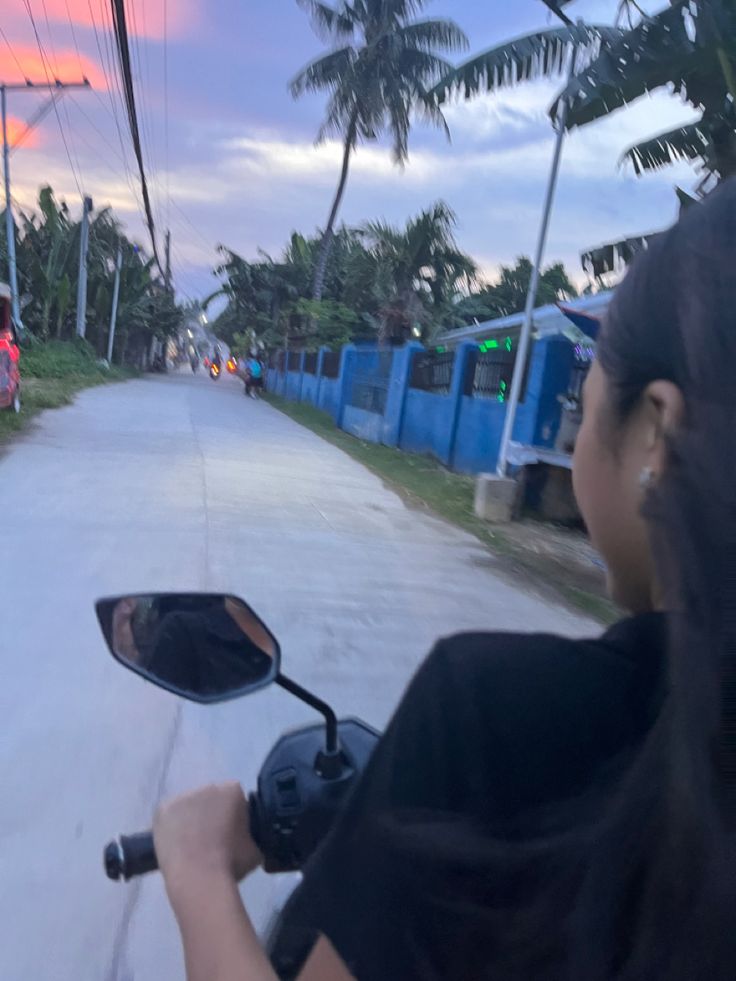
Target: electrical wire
<point>121,35</point>
<point>110,91</point>
<point>35,119</point>
<point>51,92</point>
<point>208,245</point>
<point>146,120</point>
<point>12,52</point>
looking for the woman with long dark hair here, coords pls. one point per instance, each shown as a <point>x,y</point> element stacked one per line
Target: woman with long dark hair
<point>543,809</point>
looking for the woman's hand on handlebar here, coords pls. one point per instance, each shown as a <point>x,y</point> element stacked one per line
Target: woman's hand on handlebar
<point>205,832</point>
<point>204,847</point>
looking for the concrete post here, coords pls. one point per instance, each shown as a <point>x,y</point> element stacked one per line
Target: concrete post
<point>348,360</point>
<point>464,358</point>
<point>300,387</point>
<point>318,387</point>
<point>398,386</point>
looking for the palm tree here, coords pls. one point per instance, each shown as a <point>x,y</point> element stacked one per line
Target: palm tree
<point>416,271</point>
<point>689,47</point>
<point>380,69</point>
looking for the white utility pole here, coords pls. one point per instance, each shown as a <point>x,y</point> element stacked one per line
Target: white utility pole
<point>114,313</point>
<point>9,224</point>
<point>531,297</point>
<point>27,86</point>
<point>82,278</point>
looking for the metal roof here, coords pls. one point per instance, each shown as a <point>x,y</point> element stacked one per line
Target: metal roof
<point>547,321</point>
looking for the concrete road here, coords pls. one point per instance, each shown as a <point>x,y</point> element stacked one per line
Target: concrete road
<point>180,483</point>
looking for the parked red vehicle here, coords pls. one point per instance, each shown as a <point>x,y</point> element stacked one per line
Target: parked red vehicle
<point>9,355</point>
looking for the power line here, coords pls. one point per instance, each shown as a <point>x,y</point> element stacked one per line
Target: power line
<point>121,35</point>
<point>10,49</point>
<point>64,107</point>
<point>208,245</point>
<point>125,174</point>
<point>36,119</point>
<point>147,128</point>
<point>48,31</point>
<point>110,91</point>
<point>51,92</point>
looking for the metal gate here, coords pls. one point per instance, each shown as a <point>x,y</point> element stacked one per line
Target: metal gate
<point>369,388</point>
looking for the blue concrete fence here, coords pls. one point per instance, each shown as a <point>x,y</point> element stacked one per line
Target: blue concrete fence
<point>447,404</point>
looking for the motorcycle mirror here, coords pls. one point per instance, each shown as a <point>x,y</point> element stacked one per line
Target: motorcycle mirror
<point>206,647</point>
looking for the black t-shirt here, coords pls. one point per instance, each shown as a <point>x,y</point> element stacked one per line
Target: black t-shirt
<point>493,732</point>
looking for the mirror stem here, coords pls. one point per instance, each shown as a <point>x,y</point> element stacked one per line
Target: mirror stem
<point>316,703</point>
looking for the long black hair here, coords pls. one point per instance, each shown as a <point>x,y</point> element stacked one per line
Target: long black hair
<point>636,880</point>
<point>668,854</point>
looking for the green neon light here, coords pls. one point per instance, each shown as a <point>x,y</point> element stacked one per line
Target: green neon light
<point>492,344</point>
<point>509,344</point>
<point>440,350</point>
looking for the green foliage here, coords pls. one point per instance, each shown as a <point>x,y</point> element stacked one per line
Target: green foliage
<point>60,359</point>
<point>382,66</point>
<point>381,280</point>
<point>333,323</point>
<point>48,269</point>
<point>541,54</point>
<point>508,294</point>
<point>689,48</point>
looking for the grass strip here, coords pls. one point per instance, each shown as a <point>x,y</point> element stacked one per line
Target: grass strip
<point>51,375</point>
<point>426,483</point>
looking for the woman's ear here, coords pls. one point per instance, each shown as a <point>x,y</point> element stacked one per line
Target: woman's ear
<point>663,412</point>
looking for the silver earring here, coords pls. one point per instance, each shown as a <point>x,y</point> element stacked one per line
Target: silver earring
<point>646,477</point>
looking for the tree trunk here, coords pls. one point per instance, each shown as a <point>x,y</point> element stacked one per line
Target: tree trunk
<point>45,317</point>
<point>326,243</point>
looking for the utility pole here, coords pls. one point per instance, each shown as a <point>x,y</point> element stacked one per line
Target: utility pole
<point>531,297</point>
<point>167,273</point>
<point>82,278</point>
<point>114,312</point>
<point>55,88</point>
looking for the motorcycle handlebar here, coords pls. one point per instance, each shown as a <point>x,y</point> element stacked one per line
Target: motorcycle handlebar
<point>130,855</point>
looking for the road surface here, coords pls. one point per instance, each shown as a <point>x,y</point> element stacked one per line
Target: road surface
<point>180,483</point>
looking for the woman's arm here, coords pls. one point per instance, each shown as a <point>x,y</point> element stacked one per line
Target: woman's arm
<point>204,847</point>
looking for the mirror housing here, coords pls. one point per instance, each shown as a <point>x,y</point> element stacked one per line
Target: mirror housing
<point>205,647</point>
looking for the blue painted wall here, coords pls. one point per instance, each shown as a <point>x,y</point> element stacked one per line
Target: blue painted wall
<point>293,385</point>
<point>479,433</point>
<point>461,431</point>
<point>328,396</point>
<point>559,358</point>
<point>309,388</point>
<point>363,424</point>
<point>427,424</point>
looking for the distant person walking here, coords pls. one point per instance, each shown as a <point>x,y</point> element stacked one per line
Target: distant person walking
<point>253,376</point>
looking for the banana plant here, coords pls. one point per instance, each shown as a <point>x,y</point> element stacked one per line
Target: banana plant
<point>688,48</point>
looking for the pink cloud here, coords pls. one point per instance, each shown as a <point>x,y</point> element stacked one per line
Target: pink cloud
<point>145,18</point>
<point>34,67</point>
<point>16,129</point>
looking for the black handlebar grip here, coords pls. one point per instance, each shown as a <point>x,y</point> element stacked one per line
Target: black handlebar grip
<point>131,855</point>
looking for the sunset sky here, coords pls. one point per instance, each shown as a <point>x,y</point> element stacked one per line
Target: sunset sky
<point>241,167</point>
